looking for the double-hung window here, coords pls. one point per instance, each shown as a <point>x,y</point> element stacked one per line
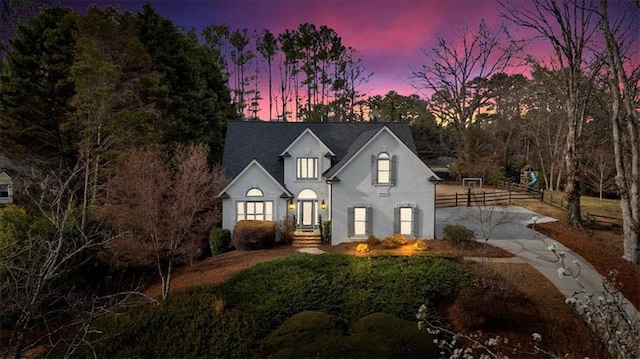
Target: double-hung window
<point>406,220</point>
<point>307,168</point>
<point>383,169</point>
<point>360,221</point>
<point>4,191</point>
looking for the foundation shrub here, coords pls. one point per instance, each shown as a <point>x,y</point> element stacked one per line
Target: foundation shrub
<point>326,232</point>
<point>389,243</point>
<point>399,239</point>
<point>253,235</point>
<point>459,235</point>
<point>285,229</point>
<point>372,240</point>
<point>219,240</point>
<point>420,245</point>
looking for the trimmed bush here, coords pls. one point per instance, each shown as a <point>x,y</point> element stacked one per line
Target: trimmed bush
<point>399,239</point>
<point>421,245</point>
<point>253,235</point>
<point>219,240</point>
<point>389,243</point>
<point>459,235</point>
<point>372,240</point>
<point>326,232</point>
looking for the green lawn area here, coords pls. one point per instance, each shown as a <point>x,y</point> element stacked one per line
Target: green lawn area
<point>329,304</point>
<point>592,205</point>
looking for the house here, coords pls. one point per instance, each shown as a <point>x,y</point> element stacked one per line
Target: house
<point>6,195</point>
<point>366,178</point>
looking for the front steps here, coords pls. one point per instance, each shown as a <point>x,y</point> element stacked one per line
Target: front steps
<point>307,239</point>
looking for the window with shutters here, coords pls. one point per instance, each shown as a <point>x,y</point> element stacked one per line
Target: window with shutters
<point>360,221</point>
<point>406,220</point>
<point>383,169</point>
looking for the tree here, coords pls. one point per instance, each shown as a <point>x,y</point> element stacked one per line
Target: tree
<point>267,45</point>
<point>197,103</point>
<point>623,79</point>
<point>12,13</point>
<point>115,93</point>
<point>569,28</point>
<point>36,90</point>
<point>165,201</point>
<point>456,75</point>
<point>47,286</point>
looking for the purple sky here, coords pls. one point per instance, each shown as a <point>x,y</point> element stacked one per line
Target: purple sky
<point>389,34</point>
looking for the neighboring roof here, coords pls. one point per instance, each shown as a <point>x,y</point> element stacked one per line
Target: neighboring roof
<point>4,162</point>
<point>265,141</point>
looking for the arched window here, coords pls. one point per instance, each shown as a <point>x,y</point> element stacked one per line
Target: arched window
<point>256,208</point>
<point>307,194</point>
<point>384,168</point>
<point>254,192</point>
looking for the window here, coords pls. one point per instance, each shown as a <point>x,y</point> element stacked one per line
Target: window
<point>254,210</point>
<point>360,221</point>
<point>4,191</point>
<point>383,169</point>
<point>406,220</point>
<point>307,168</point>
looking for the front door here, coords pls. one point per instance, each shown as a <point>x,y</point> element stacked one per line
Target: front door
<point>307,215</point>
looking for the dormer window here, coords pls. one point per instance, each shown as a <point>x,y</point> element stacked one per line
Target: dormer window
<point>307,168</point>
<point>383,169</point>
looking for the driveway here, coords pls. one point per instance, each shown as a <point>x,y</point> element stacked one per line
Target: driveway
<point>506,227</point>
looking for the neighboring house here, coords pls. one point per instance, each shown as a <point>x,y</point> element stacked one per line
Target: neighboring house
<point>364,177</point>
<point>6,188</point>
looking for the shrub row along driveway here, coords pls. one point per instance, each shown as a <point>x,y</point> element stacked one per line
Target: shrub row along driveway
<point>506,227</point>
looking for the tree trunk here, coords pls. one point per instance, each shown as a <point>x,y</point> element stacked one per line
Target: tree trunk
<point>572,189</point>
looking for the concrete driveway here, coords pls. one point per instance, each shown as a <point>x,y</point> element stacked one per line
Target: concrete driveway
<point>506,227</point>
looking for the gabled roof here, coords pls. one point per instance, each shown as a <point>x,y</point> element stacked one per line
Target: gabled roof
<point>306,131</point>
<point>257,164</point>
<point>266,141</point>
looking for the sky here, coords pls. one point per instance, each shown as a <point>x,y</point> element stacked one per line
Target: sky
<point>390,35</point>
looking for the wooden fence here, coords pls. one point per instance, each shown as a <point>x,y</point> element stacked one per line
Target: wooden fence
<point>506,193</point>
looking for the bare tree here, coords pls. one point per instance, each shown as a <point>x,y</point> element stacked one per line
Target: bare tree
<point>621,37</point>
<point>40,301</point>
<point>600,169</point>
<point>166,202</point>
<point>570,29</point>
<point>456,73</point>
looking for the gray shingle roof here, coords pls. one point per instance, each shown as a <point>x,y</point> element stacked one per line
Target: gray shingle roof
<point>264,141</point>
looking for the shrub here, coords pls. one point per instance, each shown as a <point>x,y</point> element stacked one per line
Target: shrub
<point>421,245</point>
<point>326,231</point>
<point>372,240</point>
<point>362,247</point>
<point>389,243</point>
<point>399,239</point>
<point>285,229</point>
<point>459,235</point>
<point>219,240</point>
<point>253,235</point>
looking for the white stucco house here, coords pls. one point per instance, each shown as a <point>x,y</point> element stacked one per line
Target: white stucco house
<point>366,178</point>
<point>6,187</point>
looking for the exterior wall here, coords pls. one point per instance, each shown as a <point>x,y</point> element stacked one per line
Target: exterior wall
<point>355,188</point>
<point>307,146</point>
<point>253,177</point>
<point>5,180</point>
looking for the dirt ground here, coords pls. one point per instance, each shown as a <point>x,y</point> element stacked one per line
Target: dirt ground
<point>603,249</point>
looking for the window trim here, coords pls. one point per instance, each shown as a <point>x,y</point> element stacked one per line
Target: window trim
<point>384,156</point>
<point>5,189</point>
<point>415,218</point>
<point>351,220</point>
<point>299,168</point>
<point>243,206</point>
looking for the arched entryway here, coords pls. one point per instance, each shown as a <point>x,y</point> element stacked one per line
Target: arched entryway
<point>307,210</point>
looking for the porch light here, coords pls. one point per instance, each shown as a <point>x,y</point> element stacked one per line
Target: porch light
<point>291,206</point>
<point>323,205</point>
